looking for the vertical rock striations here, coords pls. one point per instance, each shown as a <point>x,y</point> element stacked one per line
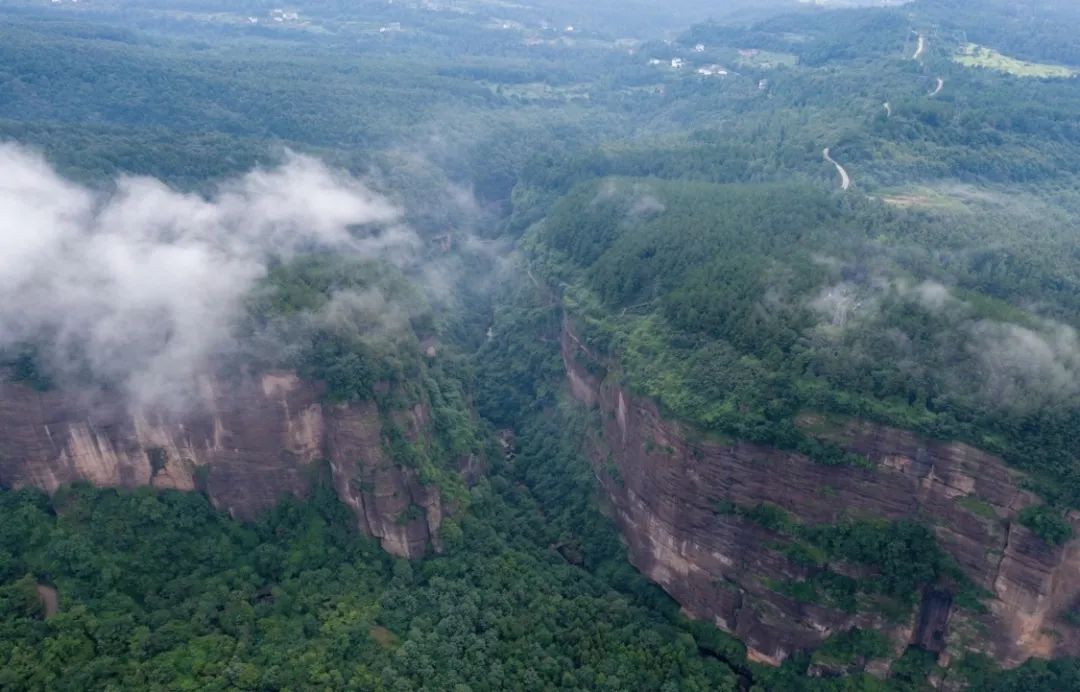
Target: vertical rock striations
<point>666,483</point>
<point>247,443</point>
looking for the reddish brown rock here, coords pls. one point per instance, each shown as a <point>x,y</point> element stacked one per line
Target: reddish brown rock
<point>247,443</point>
<point>665,484</point>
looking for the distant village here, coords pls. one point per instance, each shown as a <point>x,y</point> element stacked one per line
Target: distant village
<point>681,63</point>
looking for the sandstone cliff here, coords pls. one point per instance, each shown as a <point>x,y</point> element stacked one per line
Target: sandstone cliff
<point>247,443</point>
<point>664,483</point>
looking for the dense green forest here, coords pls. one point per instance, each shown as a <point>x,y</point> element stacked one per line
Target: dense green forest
<point>839,309</point>
<point>160,591</point>
<point>554,161</point>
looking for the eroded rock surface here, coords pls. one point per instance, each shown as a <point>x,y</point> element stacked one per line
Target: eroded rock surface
<point>247,443</point>
<point>665,483</point>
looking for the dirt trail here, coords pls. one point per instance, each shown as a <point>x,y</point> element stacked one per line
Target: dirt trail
<point>888,109</point>
<point>920,48</point>
<point>938,88</point>
<point>845,179</point>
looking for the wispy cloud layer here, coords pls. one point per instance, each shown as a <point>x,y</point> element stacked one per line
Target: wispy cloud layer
<point>142,285</point>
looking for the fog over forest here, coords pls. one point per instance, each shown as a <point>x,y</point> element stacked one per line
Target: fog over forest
<point>473,345</point>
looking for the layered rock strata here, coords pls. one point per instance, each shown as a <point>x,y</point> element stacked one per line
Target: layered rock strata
<point>246,443</point>
<point>666,481</point>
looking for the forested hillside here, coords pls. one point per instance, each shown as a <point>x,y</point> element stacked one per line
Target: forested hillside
<point>756,228</point>
<point>159,591</point>
<point>839,308</point>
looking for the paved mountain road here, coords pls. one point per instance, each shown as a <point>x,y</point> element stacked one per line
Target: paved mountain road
<point>845,179</point>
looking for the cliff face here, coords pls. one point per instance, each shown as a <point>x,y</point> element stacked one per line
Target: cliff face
<point>665,484</point>
<point>247,443</point>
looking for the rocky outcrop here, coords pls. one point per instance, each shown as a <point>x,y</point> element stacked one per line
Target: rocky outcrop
<point>246,443</point>
<point>665,483</point>
<point>931,626</point>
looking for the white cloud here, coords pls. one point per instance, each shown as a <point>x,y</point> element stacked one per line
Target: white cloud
<point>1023,368</point>
<point>145,283</point>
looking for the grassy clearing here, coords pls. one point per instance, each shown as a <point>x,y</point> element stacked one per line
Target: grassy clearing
<point>925,197</point>
<point>539,91</point>
<point>974,55</point>
<point>977,506</point>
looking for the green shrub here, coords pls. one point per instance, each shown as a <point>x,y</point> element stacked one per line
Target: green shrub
<point>1047,523</point>
<point>851,645</point>
<point>769,516</point>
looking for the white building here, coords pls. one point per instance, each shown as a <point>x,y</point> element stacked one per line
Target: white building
<point>280,15</point>
<point>712,71</point>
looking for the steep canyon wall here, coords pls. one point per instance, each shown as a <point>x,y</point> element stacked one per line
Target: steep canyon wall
<point>247,443</point>
<point>665,482</point>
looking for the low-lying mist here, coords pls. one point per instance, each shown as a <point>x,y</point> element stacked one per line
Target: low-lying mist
<point>140,286</point>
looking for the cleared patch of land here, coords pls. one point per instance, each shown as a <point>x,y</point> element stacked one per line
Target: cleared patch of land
<point>974,55</point>
<point>765,59</point>
<point>906,200</point>
<point>50,600</point>
<point>539,91</point>
<point>920,197</point>
<point>383,637</point>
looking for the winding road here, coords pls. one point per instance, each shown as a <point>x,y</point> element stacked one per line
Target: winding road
<point>920,48</point>
<point>938,88</point>
<point>845,179</point>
